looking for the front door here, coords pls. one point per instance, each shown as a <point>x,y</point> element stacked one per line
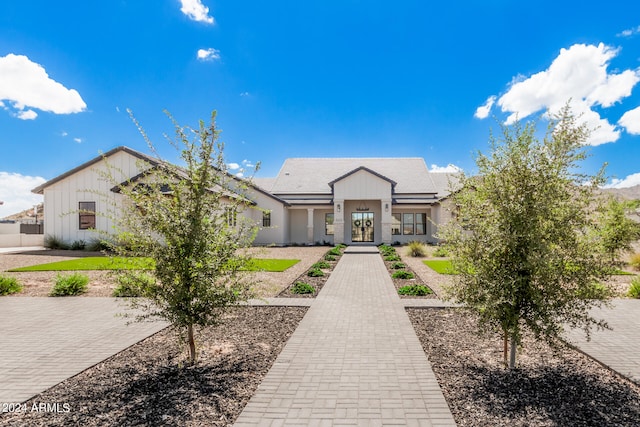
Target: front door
<point>362,226</point>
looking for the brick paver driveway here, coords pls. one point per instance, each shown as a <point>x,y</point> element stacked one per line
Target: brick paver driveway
<point>47,340</point>
<point>618,348</point>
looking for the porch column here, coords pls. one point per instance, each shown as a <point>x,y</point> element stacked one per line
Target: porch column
<point>385,223</point>
<point>310,226</point>
<point>338,221</point>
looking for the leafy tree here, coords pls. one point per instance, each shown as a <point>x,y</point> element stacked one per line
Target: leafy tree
<point>186,219</point>
<point>617,230</point>
<point>522,238</point>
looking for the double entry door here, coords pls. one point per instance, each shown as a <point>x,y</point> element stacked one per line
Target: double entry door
<point>362,226</point>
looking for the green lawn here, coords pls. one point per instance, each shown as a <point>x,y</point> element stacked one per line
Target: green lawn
<point>92,263</point>
<point>442,266</point>
<point>271,264</point>
<point>121,263</point>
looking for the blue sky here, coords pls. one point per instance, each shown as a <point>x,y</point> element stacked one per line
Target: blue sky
<point>309,79</point>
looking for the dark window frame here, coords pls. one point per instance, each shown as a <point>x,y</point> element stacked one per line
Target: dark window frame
<point>86,215</point>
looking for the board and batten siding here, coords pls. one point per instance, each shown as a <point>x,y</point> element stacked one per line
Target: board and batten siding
<point>362,185</point>
<point>62,198</point>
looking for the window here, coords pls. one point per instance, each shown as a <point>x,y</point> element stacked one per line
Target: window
<point>421,223</point>
<point>328,224</point>
<point>266,218</point>
<point>396,224</point>
<point>231,216</point>
<point>86,215</point>
<point>407,223</point>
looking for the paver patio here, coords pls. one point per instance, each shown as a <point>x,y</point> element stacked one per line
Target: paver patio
<point>353,360</point>
<point>47,340</point>
<point>619,348</point>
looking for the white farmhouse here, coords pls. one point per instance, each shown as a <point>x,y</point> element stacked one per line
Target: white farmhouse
<point>310,201</point>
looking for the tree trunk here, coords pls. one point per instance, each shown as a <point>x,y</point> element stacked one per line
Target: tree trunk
<point>192,344</point>
<point>505,341</point>
<point>512,356</point>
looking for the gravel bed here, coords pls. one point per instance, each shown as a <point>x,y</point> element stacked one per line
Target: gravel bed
<point>550,387</point>
<point>149,383</point>
<point>399,283</point>
<point>317,282</point>
<point>102,283</point>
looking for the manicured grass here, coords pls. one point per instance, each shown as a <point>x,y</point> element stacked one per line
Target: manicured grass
<point>442,266</point>
<point>269,264</point>
<point>122,263</point>
<point>92,263</point>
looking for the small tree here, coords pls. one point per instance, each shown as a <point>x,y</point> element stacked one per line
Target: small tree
<point>185,219</point>
<point>617,230</point>
<point>522,238</point>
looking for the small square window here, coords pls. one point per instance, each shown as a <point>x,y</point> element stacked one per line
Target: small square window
<point>86,215</point>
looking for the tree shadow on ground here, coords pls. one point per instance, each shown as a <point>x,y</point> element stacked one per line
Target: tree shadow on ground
<point>556,394</point>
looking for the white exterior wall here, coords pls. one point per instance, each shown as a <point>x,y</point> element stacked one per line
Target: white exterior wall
<point>298,226</point>
<point>365,187</point>
<point>276,233</point>
<point>319,228</point>
<point>61,198</point>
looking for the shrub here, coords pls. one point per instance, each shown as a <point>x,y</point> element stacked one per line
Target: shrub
<point>329,257</point>
<point>415,290</point>
<point>54,242</point>
<point>321,264</point>
<point>398,265</point>
<point>9,285</point>
<point>417,249</point>
<point>335,251</point>
<point>440,252</point>
<point>73,284</point>
<point>315,272</point>
<point>386,250</point>
<point>634,261</point>
<point>402,274</point>
<point>341,246</point>
<point>132,284</point>
<point>392,257</point>
<point>78,245</point>
<point>634,289</point>
<point>302,288</point>
<point>97,245</point>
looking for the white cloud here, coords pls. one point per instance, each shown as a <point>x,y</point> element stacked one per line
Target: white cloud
<point>629,181</point>
<point>15,192</point>
<point>26,115</point>
<point>233,166</point>
<point>580,74</point>
<point>482,112</point>
<point>631,121</point>
<point>245,94</point>
<point>210,54</point>
<point>26,84</point>
<point>78,140</point>
<point>248,164</point>
<point>196,11</point>
<point>450,168</point>
<point>629,32</point>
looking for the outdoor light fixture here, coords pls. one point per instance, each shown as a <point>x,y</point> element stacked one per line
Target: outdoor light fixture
<point>338,207</point>
<point>386,207</point>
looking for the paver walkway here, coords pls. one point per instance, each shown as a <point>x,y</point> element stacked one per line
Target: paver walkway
<point>47,340</point>
<point>353,360</point>
<point>619,348</point>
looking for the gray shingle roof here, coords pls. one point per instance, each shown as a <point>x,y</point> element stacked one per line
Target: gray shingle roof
<point>313,175</point>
